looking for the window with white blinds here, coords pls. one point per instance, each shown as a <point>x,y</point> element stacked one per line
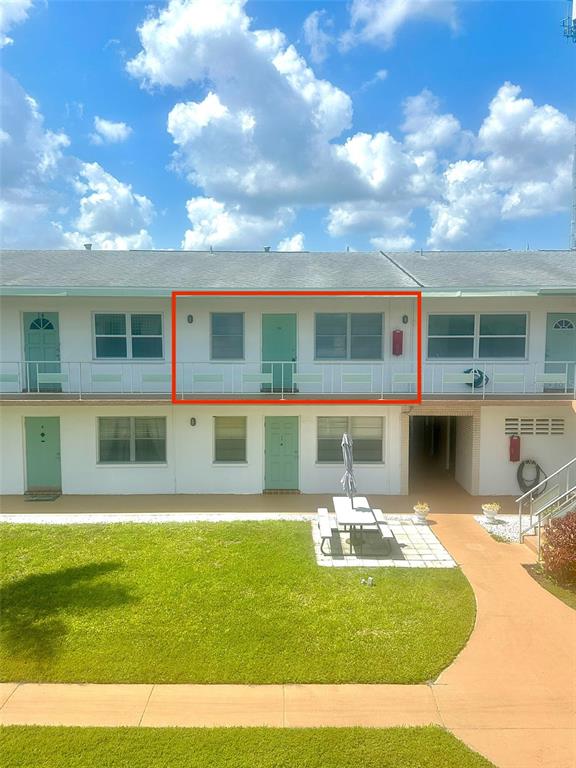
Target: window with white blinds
<point>229,439</point>
<point>131,440</point>
<point>367,434</point>
<point>534,426</point>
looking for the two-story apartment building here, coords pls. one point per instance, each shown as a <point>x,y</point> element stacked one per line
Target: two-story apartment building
<point>109,387</point>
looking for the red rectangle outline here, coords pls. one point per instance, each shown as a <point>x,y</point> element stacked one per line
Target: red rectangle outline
<point>265,401</point>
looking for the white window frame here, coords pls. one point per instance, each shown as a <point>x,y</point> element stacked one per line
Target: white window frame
<point>132,462</point>
<point>349,340</point>
<point>356,463</point>
<point>128,337</point>
<point>242,462</point>
<point>476,346</point>
<point>228,359</point>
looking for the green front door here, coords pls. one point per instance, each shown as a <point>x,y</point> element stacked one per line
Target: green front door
<point>281,449</point>
<point>279,350</point>
<point>43,453</point>
<point>561,344</point>
<point>41,349</point>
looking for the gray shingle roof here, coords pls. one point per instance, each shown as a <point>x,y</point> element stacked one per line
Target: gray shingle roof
<point>486,269</point>
<point>245,270</point>
<point>196,270</point>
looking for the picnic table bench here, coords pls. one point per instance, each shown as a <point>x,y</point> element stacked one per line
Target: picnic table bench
<point>350,518</point>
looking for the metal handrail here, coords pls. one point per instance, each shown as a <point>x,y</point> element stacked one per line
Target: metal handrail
<point>435,374</point>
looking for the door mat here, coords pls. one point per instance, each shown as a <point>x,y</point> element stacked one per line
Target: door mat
<point>42,496</point>
<point>280,492</point>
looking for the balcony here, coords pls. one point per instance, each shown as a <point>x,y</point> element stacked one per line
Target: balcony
<point>284,380</point>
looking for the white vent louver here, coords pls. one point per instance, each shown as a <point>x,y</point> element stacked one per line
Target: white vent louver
<point>534,426</point>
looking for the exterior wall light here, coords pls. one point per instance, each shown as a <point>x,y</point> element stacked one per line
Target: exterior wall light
<point>190,319</point>
<point>405,319</point>
<point>192,422</point>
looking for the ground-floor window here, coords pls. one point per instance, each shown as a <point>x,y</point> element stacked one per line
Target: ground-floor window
<point>229,439</point>
<point>131,440</point>
<point>367,434</point>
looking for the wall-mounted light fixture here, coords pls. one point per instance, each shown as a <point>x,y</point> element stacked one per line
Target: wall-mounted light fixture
<point>192,422</point>
<point>405,319</point>
<point>190,319</point>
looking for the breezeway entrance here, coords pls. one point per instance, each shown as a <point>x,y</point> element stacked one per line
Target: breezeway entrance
<point>441,451</point>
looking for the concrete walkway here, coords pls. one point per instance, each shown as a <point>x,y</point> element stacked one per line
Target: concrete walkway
<point>510,695</point>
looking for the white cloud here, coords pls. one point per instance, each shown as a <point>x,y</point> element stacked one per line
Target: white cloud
<point>110,206</point>
<point>268,136</point>
<point>388,224</point>
<point>294,243</point>
<point>524,141</point>
<point>268,142</point>
<point>42,185</point>
<point>12,12</point>
<point>426,129</point>
<point>378,21</point>
<point>31,164</point>
<point>215,224</point>
<point>185,36</point>
<point>109,132</point>
<point>316,37</point>
<point>108,241</point>
<point>379,76</point>
<point>399,243</point>
<point>524,171</point>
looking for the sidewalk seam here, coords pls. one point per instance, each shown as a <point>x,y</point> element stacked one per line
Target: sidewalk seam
<point>146,705</point>
<point>10,695</point>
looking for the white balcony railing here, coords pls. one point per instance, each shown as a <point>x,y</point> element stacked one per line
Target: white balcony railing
<point>279,379</point>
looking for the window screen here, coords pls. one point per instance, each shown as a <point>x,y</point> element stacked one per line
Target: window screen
<point>227,333</point>
<point>125,440</point>
<point>230,438</point>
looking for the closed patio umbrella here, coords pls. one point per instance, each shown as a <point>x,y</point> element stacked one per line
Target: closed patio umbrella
<point>348,481</point>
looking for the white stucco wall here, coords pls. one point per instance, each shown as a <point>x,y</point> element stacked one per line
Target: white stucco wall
<point>497,472</point>
<point>77,343</point>
<point>189,467</point>
<point>464,467</point>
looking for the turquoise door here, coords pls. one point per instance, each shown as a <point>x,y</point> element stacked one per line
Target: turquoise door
<point>279,350</point>
<point>43,453</point>
<point>561,344</point>
<point>281,453</point>
<point>41,349</point>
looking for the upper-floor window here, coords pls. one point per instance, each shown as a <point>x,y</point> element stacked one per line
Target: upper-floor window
<point>125,335</point>
<point>367,434</point>
<point>482,336</point>
<point>131,440</point>
<point>227,336</point>
<point>230,439</point>
<point>349,336</point>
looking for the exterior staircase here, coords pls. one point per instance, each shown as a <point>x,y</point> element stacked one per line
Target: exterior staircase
<point>555,496</point>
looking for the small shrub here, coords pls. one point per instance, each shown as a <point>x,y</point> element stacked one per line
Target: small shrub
<point>559,549</point>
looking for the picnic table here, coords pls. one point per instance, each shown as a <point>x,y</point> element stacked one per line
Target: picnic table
<point>351,517</point>
<point>360,516</point>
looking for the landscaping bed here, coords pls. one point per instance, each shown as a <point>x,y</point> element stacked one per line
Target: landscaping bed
<point>431,747</point>
<point>239,602</point>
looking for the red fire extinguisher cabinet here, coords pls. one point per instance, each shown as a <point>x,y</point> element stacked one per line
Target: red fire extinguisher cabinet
<point>514,448</point>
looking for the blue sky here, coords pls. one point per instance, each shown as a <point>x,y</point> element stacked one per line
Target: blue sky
<point>395,124</point>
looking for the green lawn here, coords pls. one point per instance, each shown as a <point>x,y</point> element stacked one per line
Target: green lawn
<point>216,603</point>
<point>32,747</point>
